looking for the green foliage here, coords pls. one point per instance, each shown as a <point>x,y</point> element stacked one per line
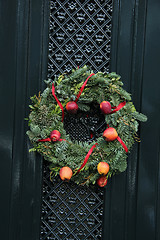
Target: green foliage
<point>46,116</point>
<point>139,116</point>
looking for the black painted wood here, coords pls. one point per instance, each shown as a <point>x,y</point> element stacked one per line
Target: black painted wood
<point>116,199</point>
<point>132,208</point>
<point>7,96</point>
<point>132,200</point>
<point>23,63</point>
<point>148,204</point>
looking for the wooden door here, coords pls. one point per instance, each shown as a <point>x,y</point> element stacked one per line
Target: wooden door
<point>131,200</point>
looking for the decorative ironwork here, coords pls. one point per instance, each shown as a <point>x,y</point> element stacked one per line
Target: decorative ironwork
<point>85,126</point>
<point>80,33</point>
<point>70,211</point>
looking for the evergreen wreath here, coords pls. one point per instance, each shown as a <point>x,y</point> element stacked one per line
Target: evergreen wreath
<point>104,154</point>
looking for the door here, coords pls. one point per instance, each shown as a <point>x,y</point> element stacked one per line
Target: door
<point>131,200</point>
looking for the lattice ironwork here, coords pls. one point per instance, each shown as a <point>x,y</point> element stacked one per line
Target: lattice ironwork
<point>80,33</point>
<point>85,126</point>
<point>70,211</point>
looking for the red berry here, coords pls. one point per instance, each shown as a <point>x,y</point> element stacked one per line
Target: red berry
<point>105,107</point>
<point>55,135</point>
<point>110,134</point>
<point>102,181</point>
<point>72,107</point>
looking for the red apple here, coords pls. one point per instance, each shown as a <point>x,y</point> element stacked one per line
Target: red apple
<point>103,168</point>
<point>72,107</point>
<point>102,181</point>
<point>55,135</point>
<point>65,173</point>
<point>110,134</point>
<point>105,107</point>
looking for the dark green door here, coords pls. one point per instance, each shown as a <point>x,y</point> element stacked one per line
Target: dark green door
<point>131,210</point>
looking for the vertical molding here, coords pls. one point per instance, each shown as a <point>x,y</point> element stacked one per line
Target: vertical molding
<point>7,76</point>
<point>21,34</point>
<point>31,69</point>
<point>138,52</point>
<point>127,51</point>
<point>158,195</point>
<point>135,56</point>
<point>108,207</point>
<point>139,28</point>
<point>148,176</point>
<point>122,64</point>
<point>45,41</point>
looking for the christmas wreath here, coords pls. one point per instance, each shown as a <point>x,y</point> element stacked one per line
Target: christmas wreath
<point>71,102</point>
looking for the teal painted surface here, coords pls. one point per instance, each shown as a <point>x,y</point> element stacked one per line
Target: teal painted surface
<point>132,199</point>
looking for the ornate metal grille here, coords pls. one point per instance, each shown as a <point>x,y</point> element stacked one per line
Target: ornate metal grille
<point>80,33</point>
<point>69,211</point>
